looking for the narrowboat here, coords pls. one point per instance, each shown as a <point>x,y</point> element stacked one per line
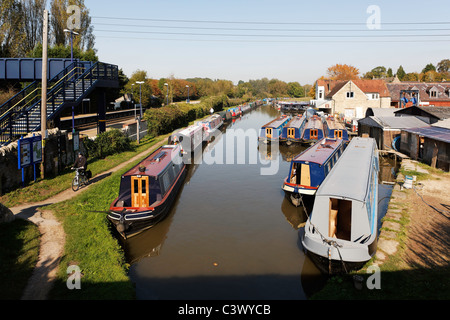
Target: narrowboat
<point>341,233</point>
<point>147,191</point>
<point>292,132</point>
<point>189,138</point>
<point>313,131</point>
<point>309,169</point>
<point>235,112</point>
<point>210,125</point>
<point>272,131</point>
<point>334,129</point>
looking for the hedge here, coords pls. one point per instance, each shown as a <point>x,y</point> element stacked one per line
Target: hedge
<point>169,118</point>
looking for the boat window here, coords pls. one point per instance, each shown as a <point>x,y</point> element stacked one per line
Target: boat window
<point>165,182</point>
<point>340,219</point>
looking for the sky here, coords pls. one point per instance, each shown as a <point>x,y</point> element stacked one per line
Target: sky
<point>290,40</point>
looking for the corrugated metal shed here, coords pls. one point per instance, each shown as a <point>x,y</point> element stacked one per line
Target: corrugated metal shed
<point>432,132</point>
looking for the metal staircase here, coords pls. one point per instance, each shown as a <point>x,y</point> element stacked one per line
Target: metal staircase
<point>21,114</point>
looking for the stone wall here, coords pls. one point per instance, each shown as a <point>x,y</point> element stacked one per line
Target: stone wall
<point>58,155</point>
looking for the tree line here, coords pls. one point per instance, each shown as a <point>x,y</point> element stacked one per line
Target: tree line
<point>21,27</point>
<point>163,91</point>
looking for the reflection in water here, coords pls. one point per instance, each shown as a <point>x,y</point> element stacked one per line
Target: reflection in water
<point>231,233</point>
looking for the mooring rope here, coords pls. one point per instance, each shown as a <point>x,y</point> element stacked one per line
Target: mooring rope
<point>328,242</point>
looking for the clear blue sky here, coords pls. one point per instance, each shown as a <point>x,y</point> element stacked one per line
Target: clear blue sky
<point>290,40</point>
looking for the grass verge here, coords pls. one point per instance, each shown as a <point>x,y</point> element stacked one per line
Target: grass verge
<point>19,253</point>
<point>91,246</point>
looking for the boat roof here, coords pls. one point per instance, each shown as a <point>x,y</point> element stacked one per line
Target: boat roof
<point>210,118</point>
<point>350,174</point>
<point>296,122</point>
<point>277,122</point>
<point>189,129</point>
<point>156,162</point>
<point>319,152</point>
<point>333,124</point>
<point>314,123</point>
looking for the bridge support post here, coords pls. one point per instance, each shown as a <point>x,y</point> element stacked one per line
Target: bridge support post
<point>101,109</point>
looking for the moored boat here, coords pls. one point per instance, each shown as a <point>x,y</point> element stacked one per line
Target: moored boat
<point>147,191</point>
<point>293,130</point>
<point>210,125</point>
<point>189,138</point>
<point>235,112</point>
<point>335,129</point>
<point>309,169</point>
<point>341,232</point>
<point>272,130</point>
<point>313,131</point>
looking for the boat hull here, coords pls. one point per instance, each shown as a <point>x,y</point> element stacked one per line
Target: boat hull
<point>129,224</point>
<point>333,256</point>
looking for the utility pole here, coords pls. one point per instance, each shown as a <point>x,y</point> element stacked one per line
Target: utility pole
<point>44,91</point>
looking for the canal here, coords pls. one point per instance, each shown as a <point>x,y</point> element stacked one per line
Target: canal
<point>231,233</point>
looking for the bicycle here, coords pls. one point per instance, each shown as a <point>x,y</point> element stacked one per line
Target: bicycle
<point>79,179</point>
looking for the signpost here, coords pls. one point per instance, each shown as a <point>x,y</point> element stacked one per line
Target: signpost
<point>29,153</point>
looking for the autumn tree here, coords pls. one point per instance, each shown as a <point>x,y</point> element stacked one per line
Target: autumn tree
<point>343,72</point>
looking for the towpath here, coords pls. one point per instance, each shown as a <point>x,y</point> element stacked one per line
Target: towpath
<point>52,233</point>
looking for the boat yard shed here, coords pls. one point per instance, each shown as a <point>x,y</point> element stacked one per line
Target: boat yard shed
<point>385,128</point>
<point>434,114</point>
<point>430,145</point>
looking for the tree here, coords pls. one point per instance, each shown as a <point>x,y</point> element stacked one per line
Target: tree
<point>58,22</point>
<point>400,73</point>
<point>389,73</point>
<point>139,75</point>
<point>429,67</point>
<point>295,90</point>
<point>443,65</point>
<point>342,72</point>
<point>33,22</point>
<point>11,29</point>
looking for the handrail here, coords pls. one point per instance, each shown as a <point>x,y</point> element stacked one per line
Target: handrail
<point>14,122</point>
<point>40,88</point>
<point>62,73</point>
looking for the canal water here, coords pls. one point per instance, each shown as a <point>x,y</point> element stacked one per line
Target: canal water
<point>231,233</point>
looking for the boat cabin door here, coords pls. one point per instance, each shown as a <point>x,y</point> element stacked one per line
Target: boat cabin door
<point>268,132</point>
<point>338,134</point>
<point>313,134</point>
<point>291,133</point>
<point>139,192</point>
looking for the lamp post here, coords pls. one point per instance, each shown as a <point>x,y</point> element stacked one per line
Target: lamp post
<point>71,41</point>
<point>188,94</point>
<point>71,60</point>
<point>140,96</point>
<point>132,93</point>
<point>167,93</point>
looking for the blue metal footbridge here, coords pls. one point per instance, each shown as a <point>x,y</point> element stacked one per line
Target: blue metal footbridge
<point>68,83</point>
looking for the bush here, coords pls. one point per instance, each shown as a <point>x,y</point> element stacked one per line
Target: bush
<point>107,143</point>
<point>169,118</point>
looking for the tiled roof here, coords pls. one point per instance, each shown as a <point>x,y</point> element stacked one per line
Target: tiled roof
<point>442,89</point>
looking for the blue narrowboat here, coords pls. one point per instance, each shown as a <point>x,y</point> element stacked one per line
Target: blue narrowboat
<point>309,168</point>
<point>313,130</point>
<point>272,131</point>
<point>334,129</point>
<point>292,132</point>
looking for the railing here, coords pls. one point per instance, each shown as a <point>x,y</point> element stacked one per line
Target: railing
<point>21,114</point>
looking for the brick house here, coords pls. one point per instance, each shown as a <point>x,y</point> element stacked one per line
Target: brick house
<point>351,98</point>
